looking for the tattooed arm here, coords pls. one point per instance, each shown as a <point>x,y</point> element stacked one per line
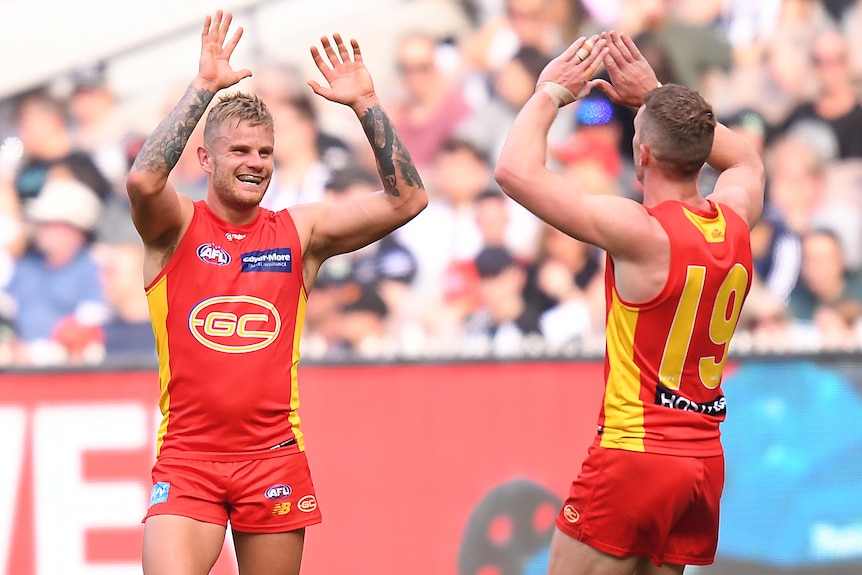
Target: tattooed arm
<point>158,212</point>
<point>345,227</point>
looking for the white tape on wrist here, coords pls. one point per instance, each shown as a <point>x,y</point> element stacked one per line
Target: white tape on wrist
<point>560,95</point>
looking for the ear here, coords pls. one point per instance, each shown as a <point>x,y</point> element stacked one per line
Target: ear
<point>205,159</point>
<point>644,156</point>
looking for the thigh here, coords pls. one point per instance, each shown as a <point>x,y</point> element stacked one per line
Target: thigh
<point>175,545</point>
<point>269,553</point>
<point>571,557</point>
<point>190,488</point>
<point>273,495</point>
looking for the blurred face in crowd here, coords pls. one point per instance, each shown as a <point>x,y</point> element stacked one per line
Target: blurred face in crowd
<point>417,66</point>
<point>822,265</point>
<point>528,19</point>
<point>58,242</point>
<point>459,176</point>
<point>514,84</point>
<point>830,61</point>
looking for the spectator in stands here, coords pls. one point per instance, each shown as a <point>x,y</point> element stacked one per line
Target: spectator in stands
<point>48,146</point>
<point>824,279</point>
<point>777,253</point>
<point>386,267</point>
<point>128,332</point>
<point>59,300</point>
<point>523,23</point>
<point>96,126</point>
<point>798,187</point>
<point>363,326</point>
<point>431,103</point>
<point>512,85</point>
<point>564,287</point>
<point>837,102</point>
<point>504,322</point>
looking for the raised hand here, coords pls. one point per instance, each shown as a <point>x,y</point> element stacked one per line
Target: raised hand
<point>214,70</point>
<point>631,75</point>
<point>573,69</point>
<point>349,80</point>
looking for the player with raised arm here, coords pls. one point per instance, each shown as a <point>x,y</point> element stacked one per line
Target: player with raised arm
<point>678,270</point>
<point>227,284</point>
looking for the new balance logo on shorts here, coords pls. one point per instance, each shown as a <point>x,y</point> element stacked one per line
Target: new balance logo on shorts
<point>159,494</point>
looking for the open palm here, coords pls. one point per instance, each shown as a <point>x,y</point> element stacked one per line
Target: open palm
<point>214,67</point>
<point>348,78</point>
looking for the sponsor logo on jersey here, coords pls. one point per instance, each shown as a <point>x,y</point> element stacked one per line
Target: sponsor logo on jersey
<point>235,324</point>
<point>273,260</point>
<point>213,254</point>
<point>231,236</point>
<point>668,398</point>
<point>571,514</point>
<point>307,504</point>
<point>281,508</point>
<point>277,492</point>
<point>159,493</point>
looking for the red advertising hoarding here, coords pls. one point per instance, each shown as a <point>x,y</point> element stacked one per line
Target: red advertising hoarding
<point>411,465</point>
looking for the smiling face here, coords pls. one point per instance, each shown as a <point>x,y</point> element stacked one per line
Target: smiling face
<point>240,163</point>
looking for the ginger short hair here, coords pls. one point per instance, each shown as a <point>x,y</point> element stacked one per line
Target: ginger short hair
<point>678,126</point>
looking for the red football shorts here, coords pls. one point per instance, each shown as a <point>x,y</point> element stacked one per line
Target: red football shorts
<point>663,507</point>
<point>271,495</point>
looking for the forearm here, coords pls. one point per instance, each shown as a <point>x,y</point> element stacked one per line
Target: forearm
<point>730,150</point>
<point>162,149</point>
<point>394,164</point>
<point>525,149</point>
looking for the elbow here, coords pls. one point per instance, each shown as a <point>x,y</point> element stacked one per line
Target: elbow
<point>506,176</point>
<point>141,184</point>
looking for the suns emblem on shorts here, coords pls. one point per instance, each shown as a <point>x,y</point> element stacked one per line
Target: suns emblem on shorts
<point>571,514</point>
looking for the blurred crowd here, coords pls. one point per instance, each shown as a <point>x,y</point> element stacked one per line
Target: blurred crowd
<point>475,274</point>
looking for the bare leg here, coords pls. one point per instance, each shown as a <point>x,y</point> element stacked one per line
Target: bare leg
<point>269,553</point>
<point>646,567</point>
<point>175,545</point>
<point>571,557</point>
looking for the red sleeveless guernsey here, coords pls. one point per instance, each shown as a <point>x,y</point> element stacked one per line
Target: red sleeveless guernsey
<point>664,358</point>
<point>227,313</point>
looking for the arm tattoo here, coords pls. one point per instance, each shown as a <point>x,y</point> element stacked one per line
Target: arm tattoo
<point>162,150</point>
<point>393,159</point>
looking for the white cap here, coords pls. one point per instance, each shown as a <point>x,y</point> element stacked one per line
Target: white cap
<point>68,201</point>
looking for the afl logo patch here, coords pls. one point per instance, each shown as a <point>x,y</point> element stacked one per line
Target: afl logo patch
<point>276,492</point>
<point>213,254</point>
<point>571,514</point>
<point>235,324</point>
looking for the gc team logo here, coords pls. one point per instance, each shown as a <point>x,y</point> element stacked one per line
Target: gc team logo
<point>235,324</point>
<point>571,514</point>
<point>213,254</point>
<point>307,504</point>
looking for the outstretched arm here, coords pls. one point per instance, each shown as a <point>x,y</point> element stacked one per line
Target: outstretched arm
<point>345,227</point>
<point>158,212</point>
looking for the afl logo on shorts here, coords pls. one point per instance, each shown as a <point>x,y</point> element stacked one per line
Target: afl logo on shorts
<point>307,504</point>
<point>235,324</point>
<point>571,514</point>
<point>213,254</point>
<point>277,492</point>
